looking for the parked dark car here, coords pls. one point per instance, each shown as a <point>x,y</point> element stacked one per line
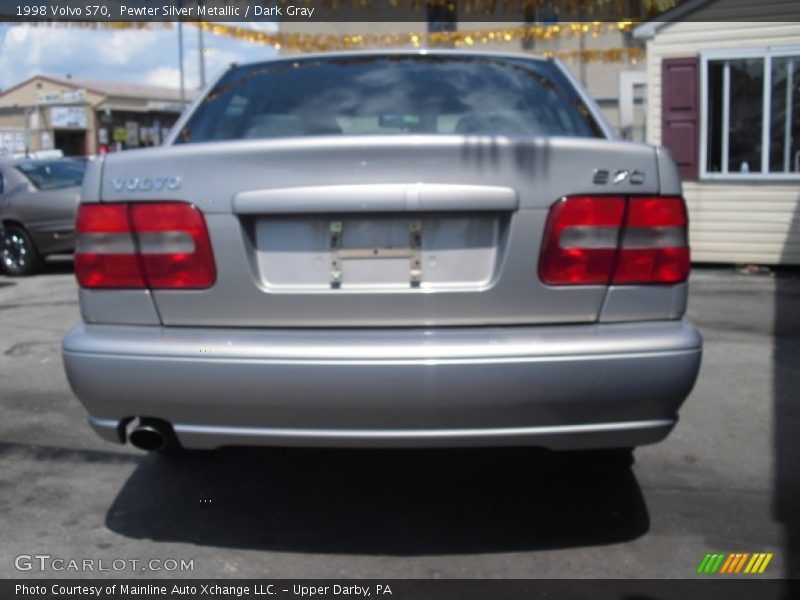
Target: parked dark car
<point>38,200</point>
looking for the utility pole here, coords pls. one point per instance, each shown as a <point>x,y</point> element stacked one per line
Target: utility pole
<point>202,49</point>
<point>180,66</point>
<point>28,116</point>
<point>582,45</point>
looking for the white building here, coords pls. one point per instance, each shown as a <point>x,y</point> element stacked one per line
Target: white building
<point>724,96</point>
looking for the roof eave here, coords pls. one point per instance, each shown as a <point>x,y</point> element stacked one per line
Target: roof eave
<point>648,30</point>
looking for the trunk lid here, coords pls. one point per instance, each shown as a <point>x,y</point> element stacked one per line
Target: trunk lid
<point>378,231</point>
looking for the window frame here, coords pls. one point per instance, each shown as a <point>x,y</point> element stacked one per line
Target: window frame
<point>766,53</point>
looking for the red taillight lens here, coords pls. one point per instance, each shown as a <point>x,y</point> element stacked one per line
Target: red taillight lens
<point>160,245</point>
<point>580,241</point>
<point>654,247</point>
<point>601,239</point>
<point>173,245</point>
<point>105,253</point>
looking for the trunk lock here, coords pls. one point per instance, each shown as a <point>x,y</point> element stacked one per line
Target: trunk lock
<point>415,229</point>
<point>336,258</point>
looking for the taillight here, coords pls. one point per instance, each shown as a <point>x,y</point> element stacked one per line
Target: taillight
<point>580,243</point>
<point>105,253</point>
<point>173,245</point>
<point>157,245</point>
<point>611,239</point>
<point>654,247</point>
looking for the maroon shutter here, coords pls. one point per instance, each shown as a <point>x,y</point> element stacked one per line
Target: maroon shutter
<point>680,112</point>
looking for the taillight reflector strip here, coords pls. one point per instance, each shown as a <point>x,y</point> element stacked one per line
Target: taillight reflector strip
<point>580,243</point>
<point>654,246</point>
<point>174,245</point>
<point>610,239</point>
<point>157,245</point>
<point>105,252</point>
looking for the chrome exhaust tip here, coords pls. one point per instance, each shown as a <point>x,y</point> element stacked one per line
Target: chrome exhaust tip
<point>150,436</point>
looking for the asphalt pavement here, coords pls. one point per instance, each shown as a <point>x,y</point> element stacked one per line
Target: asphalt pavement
<point>726,480</point>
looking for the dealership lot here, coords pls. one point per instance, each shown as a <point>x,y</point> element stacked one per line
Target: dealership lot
<point>725,481</point>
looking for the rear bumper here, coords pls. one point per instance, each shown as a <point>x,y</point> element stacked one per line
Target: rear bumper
<point>562,387</point>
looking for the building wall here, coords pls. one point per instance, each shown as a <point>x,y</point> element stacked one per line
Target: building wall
<point>26,95</point>
<point>20,105</point>
<point>744,223</point>
<point>19,111</point>
<point>12,119</point>
<point>12,129</point>
<point>731,222</point>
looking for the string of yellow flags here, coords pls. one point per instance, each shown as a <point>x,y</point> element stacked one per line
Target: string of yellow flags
<point>315,42</point>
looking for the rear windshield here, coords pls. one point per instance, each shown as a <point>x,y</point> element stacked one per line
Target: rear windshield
<point>380,95</point>
<point>53,174</point>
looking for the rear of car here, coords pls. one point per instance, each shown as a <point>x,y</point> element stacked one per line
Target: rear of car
<point>385,250</point>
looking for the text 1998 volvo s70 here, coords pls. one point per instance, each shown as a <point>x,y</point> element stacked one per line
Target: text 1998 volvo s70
<point>385,249</point>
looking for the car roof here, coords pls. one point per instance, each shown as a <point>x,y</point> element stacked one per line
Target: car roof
<point>394,52</point>
<point>12,162</point>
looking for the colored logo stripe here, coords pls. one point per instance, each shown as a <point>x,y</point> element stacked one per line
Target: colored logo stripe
<point>758,563</point>
<point>711,563</point>
<point>727,564</point>
<point>734,562</point>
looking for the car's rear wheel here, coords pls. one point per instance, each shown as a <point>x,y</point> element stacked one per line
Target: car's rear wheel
<point>19,254</point>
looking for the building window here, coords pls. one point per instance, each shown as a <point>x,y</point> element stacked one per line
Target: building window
<point>751,114</point>
<point>442,18</point>
<point>784,146</point>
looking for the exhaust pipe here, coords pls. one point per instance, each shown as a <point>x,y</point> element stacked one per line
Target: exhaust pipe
<point>151,435</point>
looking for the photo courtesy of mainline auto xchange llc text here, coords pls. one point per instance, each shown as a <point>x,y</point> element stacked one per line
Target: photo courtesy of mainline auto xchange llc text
<point>213,590</point>
<point>399,298</point>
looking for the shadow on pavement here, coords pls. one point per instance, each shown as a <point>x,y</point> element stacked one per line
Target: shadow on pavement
<point>380,501</point>
<point>786,398</point>
<point>60,264</point>
<point>63,454</point>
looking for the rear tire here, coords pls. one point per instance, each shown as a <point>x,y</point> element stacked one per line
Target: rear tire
<point>18,253</point>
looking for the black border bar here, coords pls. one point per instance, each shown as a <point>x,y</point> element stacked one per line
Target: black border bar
<point>711,588</point>
<point>441,12</point>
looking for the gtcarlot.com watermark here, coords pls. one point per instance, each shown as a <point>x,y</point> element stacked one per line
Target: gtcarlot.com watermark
<point>47,562</point>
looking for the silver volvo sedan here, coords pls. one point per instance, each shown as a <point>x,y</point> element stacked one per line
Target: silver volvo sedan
<point>385,249</point>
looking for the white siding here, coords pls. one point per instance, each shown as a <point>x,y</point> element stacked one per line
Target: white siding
<point>744,223</point>
<point>731,222</point>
